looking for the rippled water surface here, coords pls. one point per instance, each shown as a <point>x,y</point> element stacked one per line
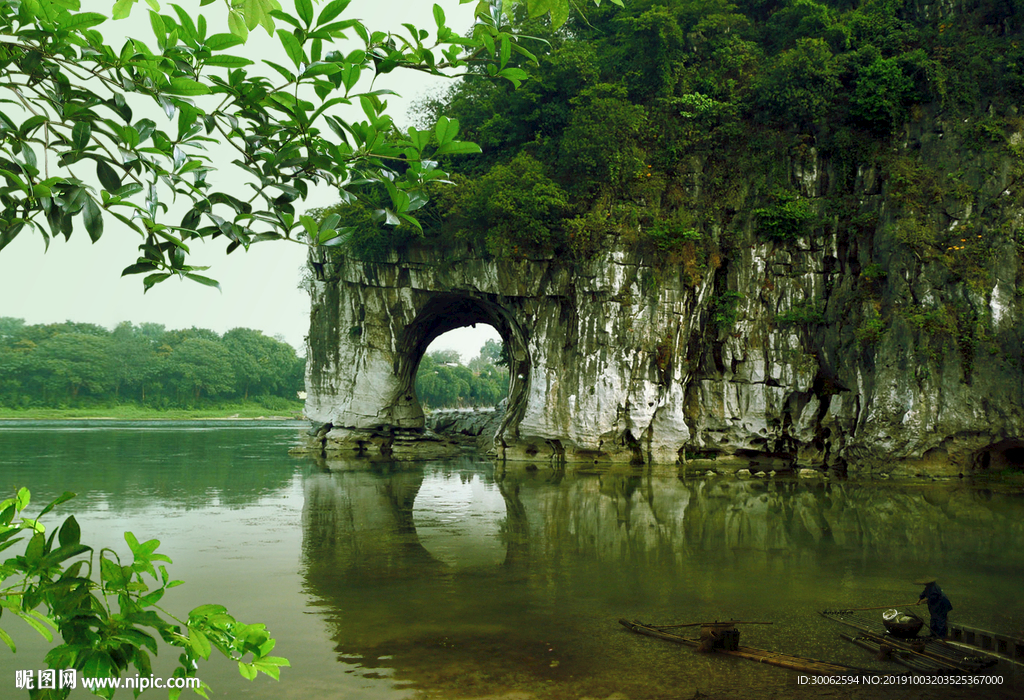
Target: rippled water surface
<point>449,580</point>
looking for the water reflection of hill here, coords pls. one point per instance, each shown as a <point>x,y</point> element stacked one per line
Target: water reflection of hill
<point>129,464</point>
<point>581,550</point>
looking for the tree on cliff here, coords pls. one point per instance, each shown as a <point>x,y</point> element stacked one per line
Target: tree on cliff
<point>672,130</point>
<point>76,98</point>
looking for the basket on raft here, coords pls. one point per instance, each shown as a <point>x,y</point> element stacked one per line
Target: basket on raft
<point>719,635</point>
<point>902,625</point>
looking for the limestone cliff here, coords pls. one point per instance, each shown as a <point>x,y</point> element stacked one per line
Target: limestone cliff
<point>865,344</point>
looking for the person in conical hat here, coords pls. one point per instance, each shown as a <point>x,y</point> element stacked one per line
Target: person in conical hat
<point>938,605</point>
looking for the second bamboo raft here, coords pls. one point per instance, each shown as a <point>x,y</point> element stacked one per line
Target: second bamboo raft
<point>773,658</point>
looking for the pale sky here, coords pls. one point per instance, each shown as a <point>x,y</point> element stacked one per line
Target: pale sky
<point>79,281</point>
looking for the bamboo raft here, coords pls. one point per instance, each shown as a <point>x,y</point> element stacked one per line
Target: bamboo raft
<point>1003,647</point>
<point>773,658</point>
<point>923,655</point>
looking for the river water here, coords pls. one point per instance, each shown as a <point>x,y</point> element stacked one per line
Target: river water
<point>457,579</point>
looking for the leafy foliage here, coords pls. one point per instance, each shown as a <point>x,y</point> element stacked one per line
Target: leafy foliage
<point>882,92</point>
<point>75,99</point>
<point>801,84</point>
<point>512,210</point>
<point>107,610</point>
<point>786,219</point>
<point>691,114</point>
<point>69,364</point>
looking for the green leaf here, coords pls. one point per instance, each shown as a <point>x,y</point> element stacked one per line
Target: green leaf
<point>341,236</point>
<point>332,10</point>
<point>536,8</point>
<point>208,609</point>
<point>148,283</point>
<point>96,664</point>
<point>248,671</point>
<point>258,12</point>
<point>292,47</point>
<point>304,8</point>
<point>66,496</point>
<point>81,132</point>
<point>457,148</point>
<point>446,129</point>
<point>8,641</point>
<point>109,178</point>
<point>329,223</point>
<point>309,224</point>
<point>70,533</point>
<point>110,572</point>
<point>31,124</point>
<point>186,87</point>
<point>285,73</point>
<point>559,13</point>
<point>203,280</point>
<point>199,642</point>
<point>185,24</point>
<point>516,75</point>
<point>34,550</point>
<point>268,667</point>
<point>236,24</point>
<point>228,61</point>
<point>320,68</point>
<point>128,190</point>
<point>219,42</point>
<point>159,27</point>
<point>505,50</point>
<point>152,599</point>
<point>93,219</point>
<point>139,268</point>
<point>83,20</point>
<point>36,625</point>
<point>419,139</point>
<point>122,8</point>
<point>350,75</point>
<point>62,554</point>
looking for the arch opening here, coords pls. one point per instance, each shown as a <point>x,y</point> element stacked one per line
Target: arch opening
<point>1001,456</point>
<point>463,369</point>
<point>446,312</point>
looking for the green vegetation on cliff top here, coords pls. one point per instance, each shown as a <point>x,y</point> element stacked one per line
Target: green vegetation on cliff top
<point>673,126</point>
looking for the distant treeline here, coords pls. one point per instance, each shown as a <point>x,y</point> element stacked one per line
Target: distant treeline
<point>81,364</point>
<point>442,381</point>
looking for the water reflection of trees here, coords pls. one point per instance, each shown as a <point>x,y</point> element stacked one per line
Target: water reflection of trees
<point>643,539</point>
<point>362,517</point>
<point>128,466</point>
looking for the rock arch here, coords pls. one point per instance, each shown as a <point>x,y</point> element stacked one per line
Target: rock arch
<point>370,325</point>
<point>445,311</point>
<point>631,357</point>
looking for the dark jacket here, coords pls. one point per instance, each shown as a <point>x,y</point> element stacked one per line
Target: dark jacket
<point>938,603</point>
